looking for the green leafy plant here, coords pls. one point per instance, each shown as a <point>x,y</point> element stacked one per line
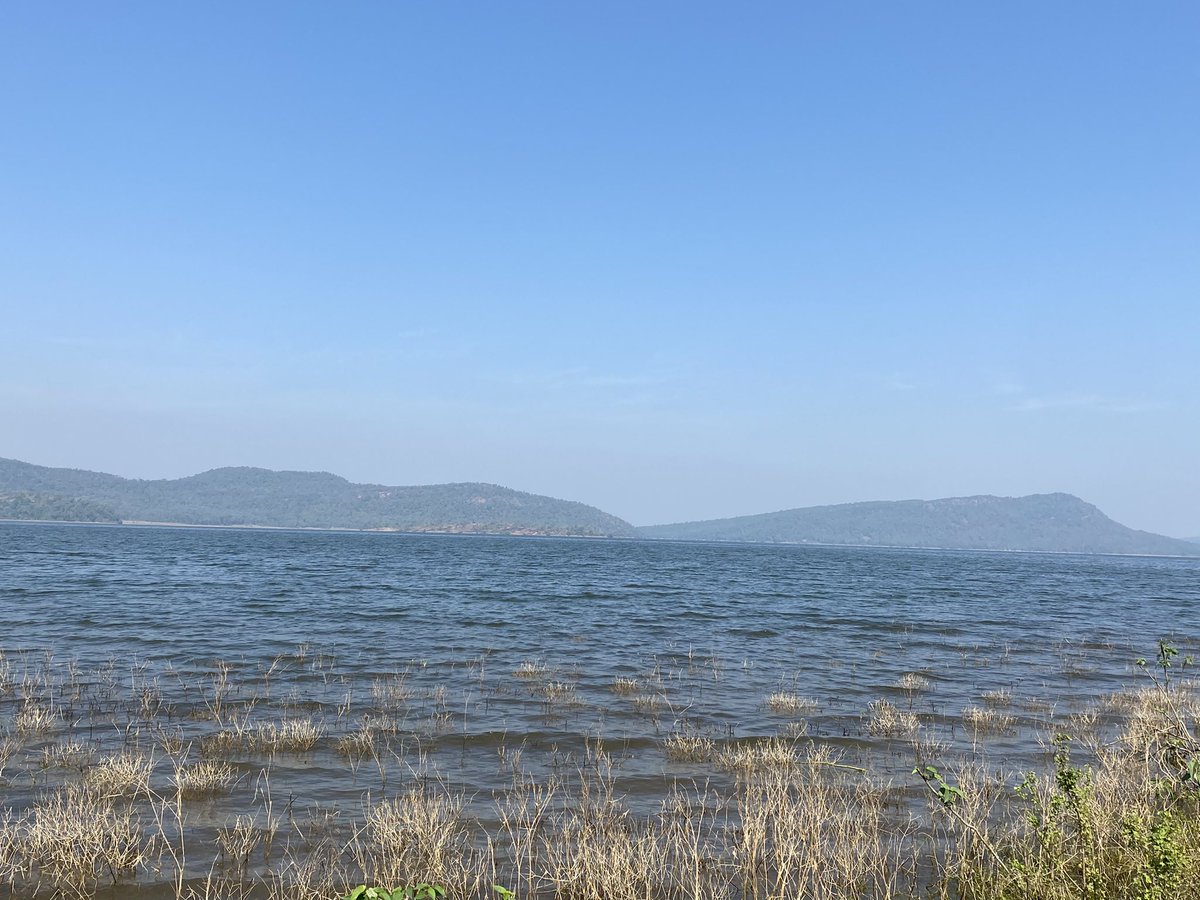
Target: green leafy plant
<point>420,891</point>
<point>1159,843</point>
<point>947,793</point>
<point>1167,653</point>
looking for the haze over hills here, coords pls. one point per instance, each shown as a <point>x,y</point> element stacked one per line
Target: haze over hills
<point>1047,522</point>
<point>262,497</point>
<point>248,496</point>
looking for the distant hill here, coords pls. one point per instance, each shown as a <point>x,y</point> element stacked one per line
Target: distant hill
<point>30,505</point>
<point>246,496</point>
<point>1049,522</point>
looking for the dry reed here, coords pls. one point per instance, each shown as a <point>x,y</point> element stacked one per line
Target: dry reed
<point>790,703</point>
<point>886,720</point>
<point>206,778</point>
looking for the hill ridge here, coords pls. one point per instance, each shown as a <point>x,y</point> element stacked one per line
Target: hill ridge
<point>256,496</point>
<point>1053,522</point>
<point>250,495</point>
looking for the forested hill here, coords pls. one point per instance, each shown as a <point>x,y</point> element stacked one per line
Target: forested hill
<point>246,496</point>
<point>1050,522</point>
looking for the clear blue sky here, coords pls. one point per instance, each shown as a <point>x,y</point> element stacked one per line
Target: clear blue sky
<point>678,260</point>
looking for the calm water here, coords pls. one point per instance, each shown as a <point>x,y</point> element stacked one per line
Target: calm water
<point>316,622</point>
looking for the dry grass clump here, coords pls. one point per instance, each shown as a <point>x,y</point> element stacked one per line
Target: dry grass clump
<point>983,720</point>
<point>593,847</point>
<point>207,778</point>
<point>237,842</point>
<point>751,756</point>
<point>886,720</point>
<point>392,692</point>
<point>1086,722</point>
<point>225,742</point>
<point>648,703</point>
<point>8,681</point>
<point>34,719</point>
<point>367,739</point>
<point>357,744</point>
<point>789,703</point>
<point>998,698</point>
<point>125,774</point>
<point>817,830</point>
<point>75,837</point>
<point>422,836</point>
<point>531,668</point>
<point>68,755</point>
<point>600,850</point>
<point>1156,719</point>
<point>687,747</point>
<point>913,683</point>
<point>8,749</point>
<point>559,692</point>
<point>624,686</point>
<point>172,741</point>
<point>288,736</point>
<point>794,730</point>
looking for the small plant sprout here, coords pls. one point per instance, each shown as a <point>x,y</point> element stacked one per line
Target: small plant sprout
<point>945,792</point>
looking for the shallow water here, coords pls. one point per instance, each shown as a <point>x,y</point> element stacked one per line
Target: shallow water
<point>321,624</point>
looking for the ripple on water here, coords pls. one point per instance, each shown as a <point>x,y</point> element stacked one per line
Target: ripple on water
<point>480,656</point>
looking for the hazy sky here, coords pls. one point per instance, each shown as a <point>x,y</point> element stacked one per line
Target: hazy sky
<point>678,260</point>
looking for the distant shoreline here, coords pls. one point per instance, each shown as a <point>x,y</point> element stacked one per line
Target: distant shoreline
<point>309,529</point>
<point>139,523</point>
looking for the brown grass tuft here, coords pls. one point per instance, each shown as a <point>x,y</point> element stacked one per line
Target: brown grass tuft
<point>207,778</point>
<point>126,774</point>
<point>789,703</point>
<point>688,747</point>
<point>988,721</point>
<point>624,686</point>
<point>886,720</point>
<point>76,837</point>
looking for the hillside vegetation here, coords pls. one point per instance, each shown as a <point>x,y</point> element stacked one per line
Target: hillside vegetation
<point>1050,522</point>
<point>247,496</point>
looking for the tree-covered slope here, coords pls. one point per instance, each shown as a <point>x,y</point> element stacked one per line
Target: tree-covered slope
<point>36,505</point>
<point>1051,522</point>
<point>246,496</point>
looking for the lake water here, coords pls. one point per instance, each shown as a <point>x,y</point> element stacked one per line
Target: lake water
<point>478,647</point>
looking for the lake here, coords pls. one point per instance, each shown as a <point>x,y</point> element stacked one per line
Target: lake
<point>489,655</point>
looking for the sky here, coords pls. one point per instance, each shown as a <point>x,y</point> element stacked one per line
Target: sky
<point>676,260</point>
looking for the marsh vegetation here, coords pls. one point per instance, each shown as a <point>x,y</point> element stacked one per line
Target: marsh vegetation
<point>275,715</point>
<point>299,778</point>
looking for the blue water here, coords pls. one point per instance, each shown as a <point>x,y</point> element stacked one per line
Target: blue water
<point>313,622</point>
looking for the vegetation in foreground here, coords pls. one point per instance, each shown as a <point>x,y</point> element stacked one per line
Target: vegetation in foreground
<point>1113,813</point>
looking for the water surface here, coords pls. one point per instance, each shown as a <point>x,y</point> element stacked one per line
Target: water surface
<point>479,647</point>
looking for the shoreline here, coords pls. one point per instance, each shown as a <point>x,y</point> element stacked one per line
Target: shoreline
<point>311,529</point>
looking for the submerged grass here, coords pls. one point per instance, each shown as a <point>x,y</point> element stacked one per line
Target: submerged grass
<point>1112,812</point>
